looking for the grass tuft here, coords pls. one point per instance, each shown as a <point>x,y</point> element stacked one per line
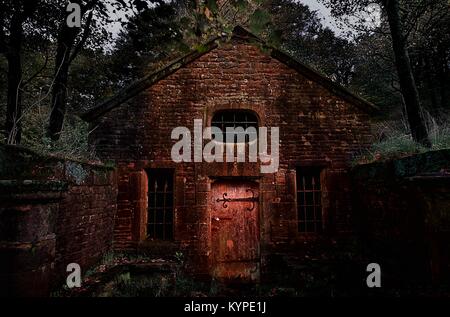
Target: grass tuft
<point>393,139</point>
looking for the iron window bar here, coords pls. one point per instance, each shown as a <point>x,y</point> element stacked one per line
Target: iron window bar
<point>309,204</point>
<point>235,119</point>
<point>160,206</point>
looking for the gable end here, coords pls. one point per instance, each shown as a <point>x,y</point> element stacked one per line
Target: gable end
<point>241,34</point>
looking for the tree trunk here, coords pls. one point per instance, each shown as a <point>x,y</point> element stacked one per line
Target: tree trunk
<point>405,74</point>
<point>66,41</point>
<point>443,77</point>
<point>65,53</point>
<point>14,94</point>
<point>11,47</point>
<point>14,98</point>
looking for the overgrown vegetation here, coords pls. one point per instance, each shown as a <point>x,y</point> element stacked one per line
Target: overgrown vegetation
<point>72,144</point>
<point>139,275</point>
<point>392,139</point>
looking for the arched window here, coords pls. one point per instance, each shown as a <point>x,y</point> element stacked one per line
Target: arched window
<point>242,125</point>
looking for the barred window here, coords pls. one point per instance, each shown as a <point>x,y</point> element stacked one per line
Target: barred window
<point>236,119</point>
<point>160,204</point>
<point>309,200</point>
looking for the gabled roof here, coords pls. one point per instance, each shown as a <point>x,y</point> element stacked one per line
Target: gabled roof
<point>239,32</point>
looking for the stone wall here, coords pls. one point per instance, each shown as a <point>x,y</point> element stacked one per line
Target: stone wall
<point>52,212</point>
<point>403,212</point>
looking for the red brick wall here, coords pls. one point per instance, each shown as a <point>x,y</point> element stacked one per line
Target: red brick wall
<point>53,212</point>
<point>84,227</point>
<point>316,128</point>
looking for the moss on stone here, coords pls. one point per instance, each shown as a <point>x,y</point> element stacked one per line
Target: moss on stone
<point>77,172</point>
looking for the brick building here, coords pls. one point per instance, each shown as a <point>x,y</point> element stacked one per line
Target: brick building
<point>229,219</point>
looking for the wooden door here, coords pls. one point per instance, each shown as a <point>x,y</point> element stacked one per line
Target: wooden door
<point>235,231</point>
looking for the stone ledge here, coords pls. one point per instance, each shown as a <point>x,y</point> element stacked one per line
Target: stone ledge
<point>35,190</point>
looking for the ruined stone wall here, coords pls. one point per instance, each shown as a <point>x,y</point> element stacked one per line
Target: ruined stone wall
<point>53,212</point>
<point>317,128</point>
<point>403,213</point>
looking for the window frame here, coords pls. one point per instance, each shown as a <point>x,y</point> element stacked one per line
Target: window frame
<point>169,174</point>
<point>318,173</point>
<point>255,123</point>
